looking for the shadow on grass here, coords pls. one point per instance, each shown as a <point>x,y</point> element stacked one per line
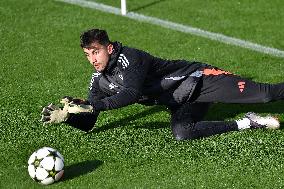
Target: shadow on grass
<point>217,112</point>
<point>231,110</point>
<point>80,169</point>
<point>125,121</point>
<point>146,5</point>
<point>155,125</point>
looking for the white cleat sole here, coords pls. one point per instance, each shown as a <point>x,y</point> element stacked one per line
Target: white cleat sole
<point>269,122</point>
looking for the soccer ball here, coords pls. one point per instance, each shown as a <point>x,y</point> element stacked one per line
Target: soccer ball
<point>46,165</point>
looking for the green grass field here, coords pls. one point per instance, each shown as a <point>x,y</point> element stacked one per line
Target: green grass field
<point>132,147</point>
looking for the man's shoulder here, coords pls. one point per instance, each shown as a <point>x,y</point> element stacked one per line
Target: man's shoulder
<point>124,49</point>
<point>123,60</point>
<point>132,56</point>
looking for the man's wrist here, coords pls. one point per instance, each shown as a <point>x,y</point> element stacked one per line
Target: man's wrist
<point>98,106</point>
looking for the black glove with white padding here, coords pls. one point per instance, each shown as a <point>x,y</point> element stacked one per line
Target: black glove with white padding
<point>75,112</point>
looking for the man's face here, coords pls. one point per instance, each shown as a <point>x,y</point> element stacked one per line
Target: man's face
<point>98,55</point>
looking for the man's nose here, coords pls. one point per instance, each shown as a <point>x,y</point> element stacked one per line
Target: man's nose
<point>93,59</point>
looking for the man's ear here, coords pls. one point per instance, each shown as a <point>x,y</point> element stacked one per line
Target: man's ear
<point>110,48</point>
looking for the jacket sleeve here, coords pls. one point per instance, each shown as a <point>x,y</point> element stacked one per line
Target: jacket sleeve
<point>83,121</point>
<point>135,66</point>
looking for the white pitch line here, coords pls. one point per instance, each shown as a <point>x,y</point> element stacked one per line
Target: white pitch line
<point>179,27</point>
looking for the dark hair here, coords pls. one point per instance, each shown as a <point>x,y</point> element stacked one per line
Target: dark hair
<point>88,37</point>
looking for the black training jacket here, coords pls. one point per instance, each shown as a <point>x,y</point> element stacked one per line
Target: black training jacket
<point>134,76</point>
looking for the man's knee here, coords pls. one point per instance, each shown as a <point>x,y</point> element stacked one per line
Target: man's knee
<point>185,118</point>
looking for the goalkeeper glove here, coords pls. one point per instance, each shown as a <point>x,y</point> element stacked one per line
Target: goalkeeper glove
<point>54,114</point>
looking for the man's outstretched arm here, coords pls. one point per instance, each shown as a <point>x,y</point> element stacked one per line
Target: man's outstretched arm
<point>76,112</point>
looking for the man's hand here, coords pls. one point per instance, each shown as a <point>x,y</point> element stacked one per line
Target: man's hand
<point>54,114</point>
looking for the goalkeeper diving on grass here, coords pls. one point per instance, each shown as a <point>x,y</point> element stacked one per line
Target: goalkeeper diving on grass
<point>124,76</point>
